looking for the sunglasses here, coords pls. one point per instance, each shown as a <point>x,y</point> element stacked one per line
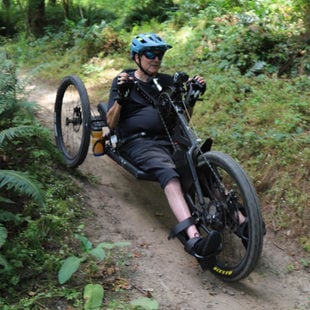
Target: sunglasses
<point>154,54</point>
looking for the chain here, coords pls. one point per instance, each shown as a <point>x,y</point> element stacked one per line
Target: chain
<point>152,101</point>
<point>164,123</point>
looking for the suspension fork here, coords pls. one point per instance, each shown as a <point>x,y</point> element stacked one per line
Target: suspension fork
<point>192,167</point>
<point>201,214</point>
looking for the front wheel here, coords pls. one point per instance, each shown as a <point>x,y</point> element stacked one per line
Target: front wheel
<point>228,191</point>
<point>72,120</point>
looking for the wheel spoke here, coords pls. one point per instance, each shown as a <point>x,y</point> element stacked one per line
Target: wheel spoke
<point>228,191</point>
<point>72,124</point>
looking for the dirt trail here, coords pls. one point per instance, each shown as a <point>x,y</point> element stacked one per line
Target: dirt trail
<point>127,209</point>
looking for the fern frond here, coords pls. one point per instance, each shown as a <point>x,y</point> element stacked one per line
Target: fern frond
<point>6,200</point>
<point>3,235</point>
<point>15,132</point>
<point>23,183</point>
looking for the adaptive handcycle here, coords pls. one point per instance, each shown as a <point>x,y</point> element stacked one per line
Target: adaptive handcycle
<point>215,187</point>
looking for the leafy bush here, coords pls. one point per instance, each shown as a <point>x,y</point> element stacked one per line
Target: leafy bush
<point>254,45</point>
<point>139,12</point>
<point>90,41</point>
<point>38,220</point>
<point>31,223</point>
<point>12,138</point>
<point>263,123</point>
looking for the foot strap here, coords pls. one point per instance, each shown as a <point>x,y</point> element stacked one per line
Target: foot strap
<point>180,227</point>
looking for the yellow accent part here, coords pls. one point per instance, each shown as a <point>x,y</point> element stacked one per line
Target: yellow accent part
<point>97,142</point>
<point>223,272</point>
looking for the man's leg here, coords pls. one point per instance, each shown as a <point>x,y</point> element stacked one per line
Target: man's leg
<point>178,205</point>
<point>196,245</point>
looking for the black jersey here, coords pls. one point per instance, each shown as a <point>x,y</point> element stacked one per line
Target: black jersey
<point>138,114</point>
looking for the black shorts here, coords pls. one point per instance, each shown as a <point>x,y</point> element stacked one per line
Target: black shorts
<point>152,155</point>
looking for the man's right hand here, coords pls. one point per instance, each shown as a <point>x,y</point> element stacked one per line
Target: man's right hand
<point>124,86</point>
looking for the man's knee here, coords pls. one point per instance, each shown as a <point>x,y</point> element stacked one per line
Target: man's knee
<point>172,182</point>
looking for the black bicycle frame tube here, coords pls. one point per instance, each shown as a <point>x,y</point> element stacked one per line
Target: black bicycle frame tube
<point>189,153</point>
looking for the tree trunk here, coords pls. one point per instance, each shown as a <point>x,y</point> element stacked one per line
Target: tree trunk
<point>303,6</point>
<point>36,17</point>
<point>66,6</point>
<point>6,27</point>
<point>307,20</point>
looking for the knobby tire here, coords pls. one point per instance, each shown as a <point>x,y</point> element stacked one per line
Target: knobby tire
<point>72,120</point>
<point>236,261</point>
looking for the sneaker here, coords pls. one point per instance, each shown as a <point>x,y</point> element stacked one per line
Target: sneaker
<point>204,247</point>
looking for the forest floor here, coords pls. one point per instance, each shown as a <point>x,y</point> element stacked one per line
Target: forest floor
<point>123,208</point>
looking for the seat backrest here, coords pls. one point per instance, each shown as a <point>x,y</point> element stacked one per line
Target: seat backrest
<point>102,108</point>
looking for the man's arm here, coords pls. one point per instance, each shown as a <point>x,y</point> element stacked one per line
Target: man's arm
<point>121,87</point>
<point>114,115</point>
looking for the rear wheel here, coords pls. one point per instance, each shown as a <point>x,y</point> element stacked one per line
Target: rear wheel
<point>228,191</point>
<point>72,120</point>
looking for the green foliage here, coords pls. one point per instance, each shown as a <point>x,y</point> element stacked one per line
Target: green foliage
<point>94,40</point>
<point>69,266</point>
<point>254,44</point>
<point>72,263</point>
<point>21,137</point>
<point>3,236</point>
<point>69,49</point>
<point>34,233</point>
<point>30,224</point>
<point>145,303</point>
<point>11,20</point>
<point>11,133</point>
<point>18,182</point>
<point>139,12</point>
<point>263,123</point>
<point>22,183</point>
<point>93,295</point>
<point>253,36</point>
<point>305,242</point>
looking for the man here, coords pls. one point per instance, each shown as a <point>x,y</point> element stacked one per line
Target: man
<point>146,143</point>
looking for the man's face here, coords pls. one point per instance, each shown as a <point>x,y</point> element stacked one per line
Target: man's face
<point>151,61</point>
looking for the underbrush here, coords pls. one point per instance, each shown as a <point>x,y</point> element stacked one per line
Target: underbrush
<point>41,214</point>
<point>264,123</point>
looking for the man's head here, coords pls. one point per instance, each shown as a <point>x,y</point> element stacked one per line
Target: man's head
<point>147,50</point>
<point>147,42</point>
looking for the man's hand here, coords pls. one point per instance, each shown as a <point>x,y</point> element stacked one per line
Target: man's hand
<point>198,83</point>
<point>124,86</point>
<point>196,86</point>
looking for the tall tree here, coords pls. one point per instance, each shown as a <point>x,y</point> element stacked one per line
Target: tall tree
<point>6,26</point>
<point>307,19</point>
<point>66,5</point>
<point>304,7</point>
<point>36,17</point>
